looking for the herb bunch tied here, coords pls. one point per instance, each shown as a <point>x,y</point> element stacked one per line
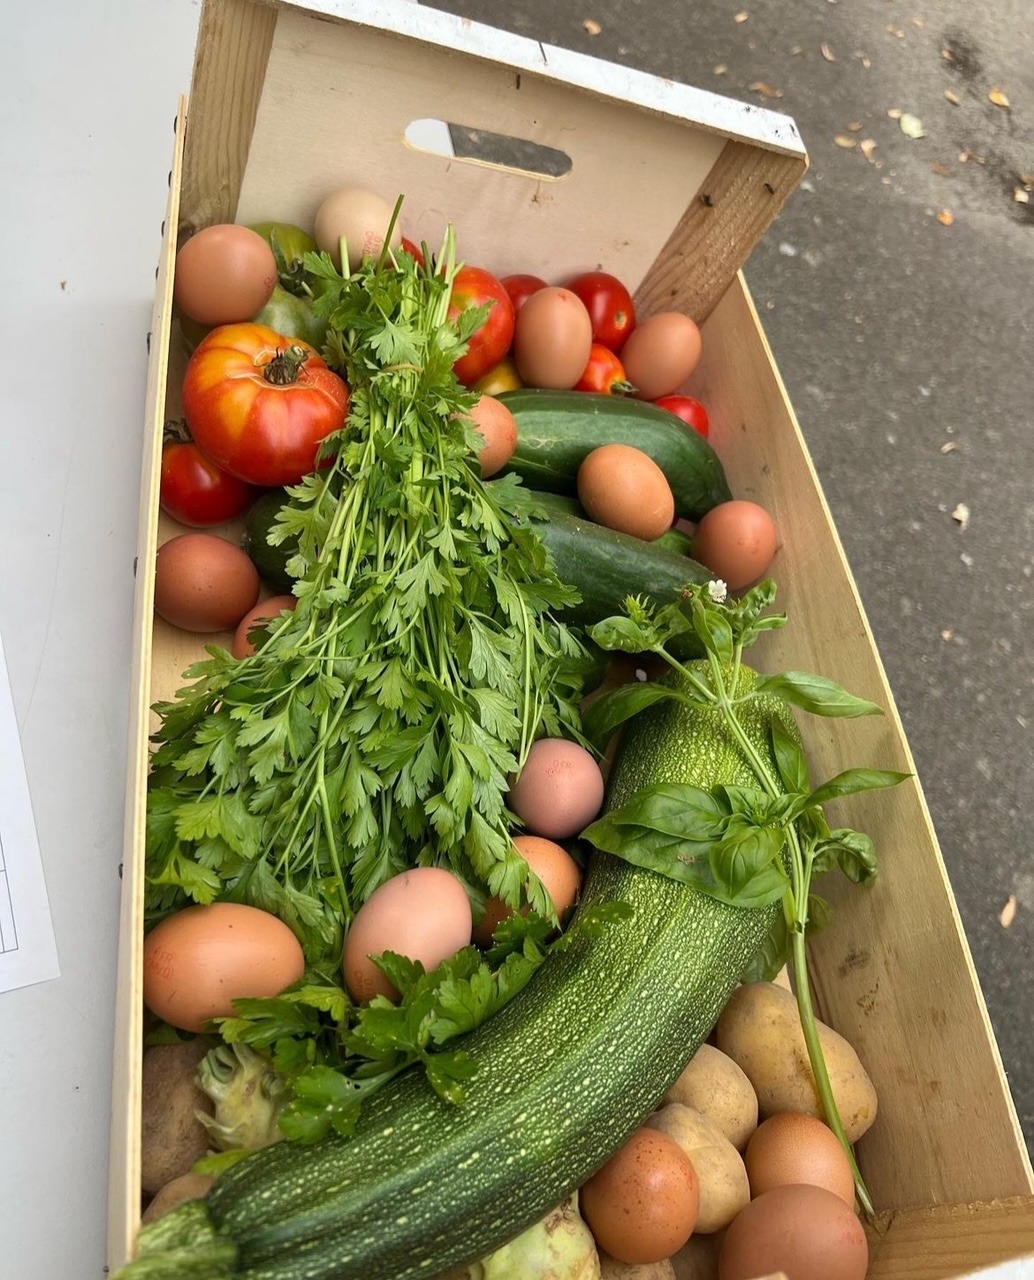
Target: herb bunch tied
<point>375,727</point>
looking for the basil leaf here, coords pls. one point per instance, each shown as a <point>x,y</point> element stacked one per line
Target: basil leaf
<point>603,716</point>
<point>852,781</point>
<point>619,633</point>
<point>714,630</point>
<point>747,867</point>
<point>774,954</point>
<point>816,694</point>
<point>789,758</point>
<point>852,851</point>
<point>671,808</point>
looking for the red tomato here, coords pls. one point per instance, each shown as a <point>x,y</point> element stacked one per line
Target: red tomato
<point>520,288</point>
<point>194,491</point>
<point>413,249</point>
<point>689,410</point>
<point>604,374</point>
<point>474,287</point>
<point>258,404</point>
<point>609,305</point>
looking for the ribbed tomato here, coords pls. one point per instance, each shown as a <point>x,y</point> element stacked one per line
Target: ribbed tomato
<point>259,404</point>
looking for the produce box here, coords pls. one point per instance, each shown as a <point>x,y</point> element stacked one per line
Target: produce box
<point>289,102</point>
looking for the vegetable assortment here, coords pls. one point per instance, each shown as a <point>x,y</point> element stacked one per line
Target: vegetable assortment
<point>481,922</point>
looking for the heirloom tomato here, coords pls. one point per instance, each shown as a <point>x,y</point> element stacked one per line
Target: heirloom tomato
<point>474,287</point>
<point>609,305</point>
<point>259,404</point>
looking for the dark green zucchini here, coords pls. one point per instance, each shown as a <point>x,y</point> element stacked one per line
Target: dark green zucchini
<point>565,1072</point>
<point>557,429</point>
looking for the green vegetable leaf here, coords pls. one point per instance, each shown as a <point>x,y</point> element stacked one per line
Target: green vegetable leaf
<point>610,710</point>
<point>816,694</point>
<point>852,781</point>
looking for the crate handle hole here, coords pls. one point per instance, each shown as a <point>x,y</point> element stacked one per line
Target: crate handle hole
<point>482,146</point>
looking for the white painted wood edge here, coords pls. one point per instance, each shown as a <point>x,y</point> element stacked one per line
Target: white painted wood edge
<point>698,107</point>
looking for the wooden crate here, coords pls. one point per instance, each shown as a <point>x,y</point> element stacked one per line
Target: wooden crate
<point>288,103</point>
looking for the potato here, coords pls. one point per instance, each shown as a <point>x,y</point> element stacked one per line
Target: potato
<point>760,1029</point>
<point>716,1087</point>
<point>698,1257</point>
<point>188,1186</point>
<point>611,1269</point>
<point>173,1138</point>
<point>724,1186</point>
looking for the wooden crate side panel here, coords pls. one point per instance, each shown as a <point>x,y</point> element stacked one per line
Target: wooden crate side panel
<point>329,80</point>
<point>124,1151</point>
<point>947,1242</point>
<point>893,973</point>
<point>229,66</point>
<point>736,202</point>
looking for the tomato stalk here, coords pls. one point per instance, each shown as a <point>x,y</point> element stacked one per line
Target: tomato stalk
<point>283,369</point>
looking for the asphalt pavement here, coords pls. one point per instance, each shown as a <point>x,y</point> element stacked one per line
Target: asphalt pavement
<point>897,291</point>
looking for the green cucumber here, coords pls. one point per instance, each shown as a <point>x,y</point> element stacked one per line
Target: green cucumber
<point>557,429</point>
<point>565,1072</point>
<point>606,567</point>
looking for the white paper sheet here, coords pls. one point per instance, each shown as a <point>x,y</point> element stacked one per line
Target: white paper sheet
<point>28,952</point>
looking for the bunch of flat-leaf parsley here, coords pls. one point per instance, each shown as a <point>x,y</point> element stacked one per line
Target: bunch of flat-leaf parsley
<point>375,727</point>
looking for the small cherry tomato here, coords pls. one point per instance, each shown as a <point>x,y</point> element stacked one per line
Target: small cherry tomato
<point>609,305</point>
<point>604,374</point>
<point>520,288</point>
<point>473,287</point>
<point>193,490</point>
<point>259,403</point>
<point>691,411</point>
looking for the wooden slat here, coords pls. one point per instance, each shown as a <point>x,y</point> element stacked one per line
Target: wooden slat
<point>124,1153</point>
<point>233,43</point>
<point>893,972</point>
<point>737,201</point>
<point>943,1242</point>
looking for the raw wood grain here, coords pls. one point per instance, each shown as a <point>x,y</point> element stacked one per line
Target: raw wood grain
<point>124,1159</point>
<point>229,67</point>
<point>732,210</point>
<point>945,1241</point>
<point>893,973</point>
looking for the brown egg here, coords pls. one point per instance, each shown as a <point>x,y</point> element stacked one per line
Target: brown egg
<point>203,582</point>
<point>242,646</point>
<point>361,218</point>
<point>623,488</point>
<point>660,354</point>
<point>641,1206</point>
<point>423,914</point>
<point>737,541</point>
<point>554,866</point>
<point>494,421</point>
<point>794,1147</point>
<point>560,789</point>
<point>224,275</point>
<point>806,1232</point>
<point>552,339</point>
<point>199,960</point>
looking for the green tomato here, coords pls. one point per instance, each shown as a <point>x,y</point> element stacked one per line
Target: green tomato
<point>293,317</point>
<point>290,244</point>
